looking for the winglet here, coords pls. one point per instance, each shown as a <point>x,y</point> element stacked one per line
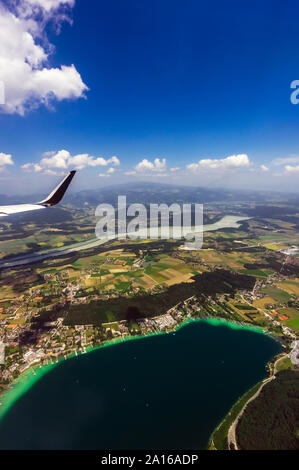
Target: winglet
<point>57,194</point>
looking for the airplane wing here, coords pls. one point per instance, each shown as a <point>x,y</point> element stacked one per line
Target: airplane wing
<point>54,198</point>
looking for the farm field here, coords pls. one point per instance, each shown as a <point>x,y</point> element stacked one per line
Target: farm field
<point>125,265</point>
<point>291,286</point>
<point>122,270</point>
<point>259,273</point>
<point>215,257</point>
<point>293,317</point>
<point>40,241</point>
<point>7,293</point>
<point>277,293</point>
<point>244,310</point>
<point>261,303</point>
<point>274,246</point>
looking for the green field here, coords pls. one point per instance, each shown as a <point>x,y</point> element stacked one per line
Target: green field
<point>293,323</point>
<point>285,364</point>
<point>277,294</point>
<point>260,273</point>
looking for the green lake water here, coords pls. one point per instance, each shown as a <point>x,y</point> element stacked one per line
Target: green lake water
<point>160,392</point>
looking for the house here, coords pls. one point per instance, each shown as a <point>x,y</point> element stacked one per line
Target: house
<point>283,317</point>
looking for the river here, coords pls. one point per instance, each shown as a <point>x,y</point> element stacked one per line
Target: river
<point>228,221</point>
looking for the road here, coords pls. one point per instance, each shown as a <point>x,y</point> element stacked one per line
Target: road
<point>231,436</point>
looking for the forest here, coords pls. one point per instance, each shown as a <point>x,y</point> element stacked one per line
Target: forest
<point>149,305</point>
<point>271,421</point>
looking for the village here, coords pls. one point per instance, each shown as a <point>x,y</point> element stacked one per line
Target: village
<point>55,341</point>
<point>31,335</point>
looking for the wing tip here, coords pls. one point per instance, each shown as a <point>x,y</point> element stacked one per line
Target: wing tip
<point>57,194</point>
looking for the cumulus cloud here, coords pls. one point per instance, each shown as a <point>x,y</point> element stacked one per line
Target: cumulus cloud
<point>28,79</point>
<point>229,163</point>
<point>176,168</point>
<point>63,160</point>
<point>264,168</point>
<point>114,160</point>
<point>146,165</point>
<point>5,159</point>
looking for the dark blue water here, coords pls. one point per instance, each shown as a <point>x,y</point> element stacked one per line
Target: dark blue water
<point>162,392</point>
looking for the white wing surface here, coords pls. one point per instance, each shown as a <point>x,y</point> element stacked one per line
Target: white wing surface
<point>54,198</point>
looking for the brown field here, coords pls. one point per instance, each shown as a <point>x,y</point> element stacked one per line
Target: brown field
<point>122,269</point>
<point>117,254</point>
<point>290,286</point>
<point>91,282</point>
<point>149,282</point>
<point>176,277</point>
<point>260,303</point>
<point>110,286</point>
<point>17,321</point>
<point>73,273</point>
<point>4,315</point>
<point>105,277</point>
<point>213,257</point>
<point>123,278</point>
<point>179,279</point>
<point>172,261</point>
<point>7,293</point>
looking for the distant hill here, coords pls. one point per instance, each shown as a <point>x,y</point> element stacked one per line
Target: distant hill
<point>145,192</point>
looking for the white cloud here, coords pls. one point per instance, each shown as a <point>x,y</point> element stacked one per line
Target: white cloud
<point>110,171</point>
<point>51,4</point>
<point>291,169</point>
<point>264,168</point>
<point>5,159</point>
<point>146,165</point>
<point>286,160</point>
<point>130,173</point>
<point>228,163</point>
<point>114,160</point>
<point>176,168</point>
<point>63,160</point>
<point>27,166</point>
<point>24,57</point>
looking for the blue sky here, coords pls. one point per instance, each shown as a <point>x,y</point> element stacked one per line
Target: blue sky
<point>177,92</point>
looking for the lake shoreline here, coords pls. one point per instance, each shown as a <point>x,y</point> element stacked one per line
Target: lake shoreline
<point>22,384</point>
<point>234,413</point>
